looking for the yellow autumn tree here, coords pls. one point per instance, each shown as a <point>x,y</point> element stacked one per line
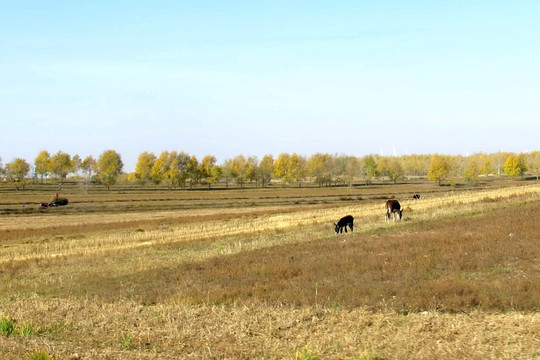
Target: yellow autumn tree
<point>438,168</point>
<point>514,165</point>
<point>266,169</point>
<point>320,167</point>
<point>109,168</point>
<point>205,169</point>
<point>41,164</point>
<point>143,169</point>
<point>471,172</point>
<point>296,169</point>
<point>281,167</point>
<point>16,171</point>
<point>533,161</point>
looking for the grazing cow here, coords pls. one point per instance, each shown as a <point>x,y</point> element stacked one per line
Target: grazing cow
<point>416,197</point>
<point>393,207</point>
<point>343,223</point>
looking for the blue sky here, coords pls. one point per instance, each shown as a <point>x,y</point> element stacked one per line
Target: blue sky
<point>255,77</point>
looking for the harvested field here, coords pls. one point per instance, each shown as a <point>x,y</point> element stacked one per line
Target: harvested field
<point>459,277</point>
<point>123,330</point>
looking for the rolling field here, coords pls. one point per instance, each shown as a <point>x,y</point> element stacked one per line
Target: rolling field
<point>260,274</point>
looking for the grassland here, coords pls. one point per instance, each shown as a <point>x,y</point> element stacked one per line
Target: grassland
<point>258,273</point>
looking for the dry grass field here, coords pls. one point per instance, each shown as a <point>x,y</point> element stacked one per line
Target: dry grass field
<point>141,273</point>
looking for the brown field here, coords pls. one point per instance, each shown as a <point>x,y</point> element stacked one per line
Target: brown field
<point>146,273</point>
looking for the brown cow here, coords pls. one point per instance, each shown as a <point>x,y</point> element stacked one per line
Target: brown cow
<point>393,207</point>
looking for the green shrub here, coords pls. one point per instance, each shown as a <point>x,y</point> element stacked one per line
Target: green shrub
<point>7,326</point>
<point>307,353</point>
<point>29,330</point>
<point>127,340</point>
<point>40,355</point>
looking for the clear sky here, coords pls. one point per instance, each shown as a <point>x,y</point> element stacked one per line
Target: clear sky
<point>263,77</point>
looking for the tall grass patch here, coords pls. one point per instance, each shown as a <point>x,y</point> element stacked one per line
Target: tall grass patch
<point>7,326</point>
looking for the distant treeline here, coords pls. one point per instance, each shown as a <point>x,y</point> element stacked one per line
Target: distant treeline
<point>182,170</point>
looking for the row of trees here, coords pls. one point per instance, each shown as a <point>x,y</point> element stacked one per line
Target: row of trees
<point>106,169</point>
<point>181,170</point>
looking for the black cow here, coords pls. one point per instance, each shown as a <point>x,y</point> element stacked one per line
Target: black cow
<point>343,223</point>
<point>393,207</point>
<point>416,197</point>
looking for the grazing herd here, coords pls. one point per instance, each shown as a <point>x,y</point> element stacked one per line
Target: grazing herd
<point>393,209</point>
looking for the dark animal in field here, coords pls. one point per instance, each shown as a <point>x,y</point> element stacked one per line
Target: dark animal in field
<point>416,197</point>
<point>343,223</point>
<point>393,208</point>
<point>57,201</point>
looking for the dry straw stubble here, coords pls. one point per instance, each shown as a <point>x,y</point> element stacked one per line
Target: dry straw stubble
<point>448,282</point>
